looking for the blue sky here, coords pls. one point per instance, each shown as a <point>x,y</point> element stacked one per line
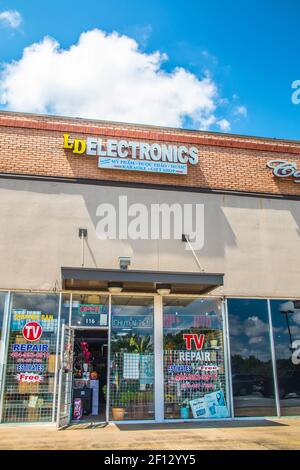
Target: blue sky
<point>248,51</point>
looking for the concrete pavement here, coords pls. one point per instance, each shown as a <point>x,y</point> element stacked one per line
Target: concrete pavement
<point>257,435</point>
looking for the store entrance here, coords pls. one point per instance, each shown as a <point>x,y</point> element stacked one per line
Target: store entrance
<point>89,375</point>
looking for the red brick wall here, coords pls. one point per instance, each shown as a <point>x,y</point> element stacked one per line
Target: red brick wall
<point>33,145</point>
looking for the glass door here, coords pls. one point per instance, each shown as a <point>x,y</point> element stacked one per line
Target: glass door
<point>131,381</point>
<point>64,408</point>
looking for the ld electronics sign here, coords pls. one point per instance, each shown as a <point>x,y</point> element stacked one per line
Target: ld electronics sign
<point>32,331</point>
<point>136,156</point>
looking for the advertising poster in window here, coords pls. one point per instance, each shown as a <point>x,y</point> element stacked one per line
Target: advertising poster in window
<point>31,358</point>
<point>194,375</point>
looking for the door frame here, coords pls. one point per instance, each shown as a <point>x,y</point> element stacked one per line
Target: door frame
<point>98,328</point>
<point>62,374</point>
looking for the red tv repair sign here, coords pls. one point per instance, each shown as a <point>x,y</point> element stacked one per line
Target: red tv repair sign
<point>32,331</point>
<point>193,338</point>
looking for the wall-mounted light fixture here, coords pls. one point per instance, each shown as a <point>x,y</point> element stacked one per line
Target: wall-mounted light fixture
<point>163,289</point>
<point>115,287</point>
<point>82,233</point>
<point>124,262</point>
<point>186,239</point>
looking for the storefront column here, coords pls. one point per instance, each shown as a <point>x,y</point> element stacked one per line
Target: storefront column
<point>55,395</point>
<point>107,416</point>
<point>277,400</point>
<point>158,355</point>
<point>227,357</point>
<point>4,348</point>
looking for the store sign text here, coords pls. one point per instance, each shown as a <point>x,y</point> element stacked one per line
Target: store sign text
<point>284,169</point>
<point>17,347</point>
<point>133,322</point>
<point>190,356</point>
<point>28,315</point>
<point>91,309</point>
<point>29,378</point>
<point>193,338</point>
<point>32,331</point>
<point>135,155</point>
<point>29,367</point>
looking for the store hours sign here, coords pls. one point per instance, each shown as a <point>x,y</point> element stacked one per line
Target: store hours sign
<point>128,155</point>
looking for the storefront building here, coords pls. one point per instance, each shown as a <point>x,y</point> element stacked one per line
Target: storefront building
<point>139,325</point>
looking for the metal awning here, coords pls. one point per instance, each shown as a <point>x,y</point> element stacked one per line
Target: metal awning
<point>94,279</point>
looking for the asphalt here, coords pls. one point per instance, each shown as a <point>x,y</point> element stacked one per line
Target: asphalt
<point>264,434</point>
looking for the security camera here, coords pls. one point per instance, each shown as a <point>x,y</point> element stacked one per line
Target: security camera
<point>124,262</point>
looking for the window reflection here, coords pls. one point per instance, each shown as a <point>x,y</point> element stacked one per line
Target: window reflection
<point>252,373</point>
<point>286,328</point>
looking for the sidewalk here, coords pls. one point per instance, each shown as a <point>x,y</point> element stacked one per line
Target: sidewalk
<point>258,435</point>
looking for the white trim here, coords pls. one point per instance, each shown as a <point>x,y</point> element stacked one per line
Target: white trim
<point>70,309</point>
<point>207,295</point>
<point>56,359</point>
<point>108,361</point>
<point>107,293</point>
<point>158,359</point>
<point>5,336</point>
<point>90,328</point>
<point>227,366</point>
<point>60,374</point>
<point>229,360</point>
<point>275,379</point>
<point>31,423</point>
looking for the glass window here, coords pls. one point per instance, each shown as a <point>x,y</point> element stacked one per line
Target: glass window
<point>132,358</point>
<point>2,307</point>
<point>30,370</point>
<point>194,372</point>
<point>286,330</point>
<point>251,363</point>
<point>65,309</point>
<point>89,310</point>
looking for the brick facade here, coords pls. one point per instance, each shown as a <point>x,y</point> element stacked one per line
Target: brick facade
<point>33,145</point>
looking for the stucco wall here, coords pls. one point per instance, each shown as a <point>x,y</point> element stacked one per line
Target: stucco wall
<point>254,241</point>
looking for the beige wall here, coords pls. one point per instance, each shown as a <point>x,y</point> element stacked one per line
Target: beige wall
<point>254,241</point>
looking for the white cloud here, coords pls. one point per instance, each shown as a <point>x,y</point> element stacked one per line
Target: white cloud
<point>257,340</point>
<point>223,124</point>
<point>241,111</point>
<point>11,18</point>
<point>253,326</point>
<point>106,76</point>
<point>207,55</point>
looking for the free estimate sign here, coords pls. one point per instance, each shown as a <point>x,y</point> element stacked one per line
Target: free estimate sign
<point>135,155</point>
